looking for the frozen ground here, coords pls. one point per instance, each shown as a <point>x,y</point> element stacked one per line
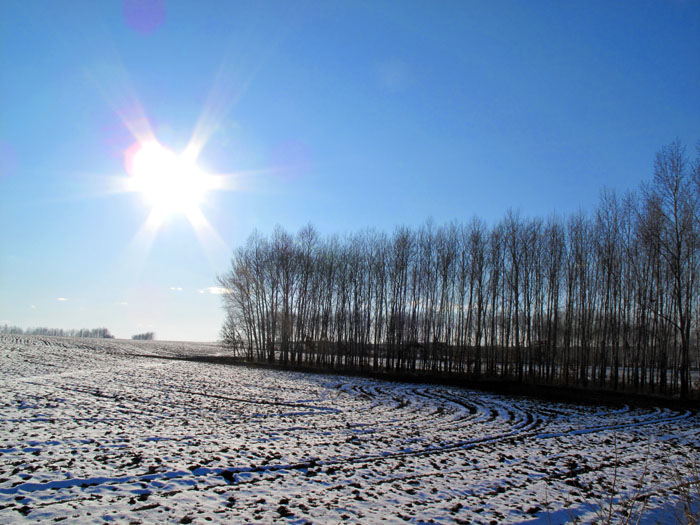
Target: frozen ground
<point>90,430</point>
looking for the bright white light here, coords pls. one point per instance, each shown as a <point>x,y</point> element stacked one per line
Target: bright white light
<point>170,183</point>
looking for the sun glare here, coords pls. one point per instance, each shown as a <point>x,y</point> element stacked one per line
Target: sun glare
<point>170,183</point>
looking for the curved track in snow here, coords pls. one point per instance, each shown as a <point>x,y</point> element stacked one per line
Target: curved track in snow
<point>91,430</point>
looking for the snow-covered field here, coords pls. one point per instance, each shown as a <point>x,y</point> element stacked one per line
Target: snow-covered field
<point>91,430</point>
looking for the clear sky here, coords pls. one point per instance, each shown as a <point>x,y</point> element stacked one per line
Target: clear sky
<point>343,114</point>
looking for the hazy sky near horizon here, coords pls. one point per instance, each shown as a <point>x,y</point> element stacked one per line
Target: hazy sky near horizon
<point>344,114</point>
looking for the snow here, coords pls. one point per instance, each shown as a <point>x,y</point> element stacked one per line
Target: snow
<point>97,431</point>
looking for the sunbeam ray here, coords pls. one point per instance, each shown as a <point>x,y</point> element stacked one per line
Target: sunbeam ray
<point>212,244</point>
<point>232,80</point>
<point>115,85</point>
<point>136,253</point>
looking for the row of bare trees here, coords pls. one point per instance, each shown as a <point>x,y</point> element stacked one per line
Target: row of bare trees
<point>146,336</point>
<point>102,333</point>
<point>608,299</point>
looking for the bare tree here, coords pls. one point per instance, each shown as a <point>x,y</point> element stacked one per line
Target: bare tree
<point>607,300</point>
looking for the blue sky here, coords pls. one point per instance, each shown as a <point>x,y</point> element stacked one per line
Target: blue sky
<point>343,114</point>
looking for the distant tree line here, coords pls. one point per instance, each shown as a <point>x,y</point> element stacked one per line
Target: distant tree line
<point>608,299</point>
<point>39,330</point>
<point>147,336</point>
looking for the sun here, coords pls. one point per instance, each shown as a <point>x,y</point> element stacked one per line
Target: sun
<point>170,183</point>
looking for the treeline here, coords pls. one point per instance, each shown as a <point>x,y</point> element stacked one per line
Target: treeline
<point>608,299</point>
<point>39,330</point>
<point>147,336</point>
